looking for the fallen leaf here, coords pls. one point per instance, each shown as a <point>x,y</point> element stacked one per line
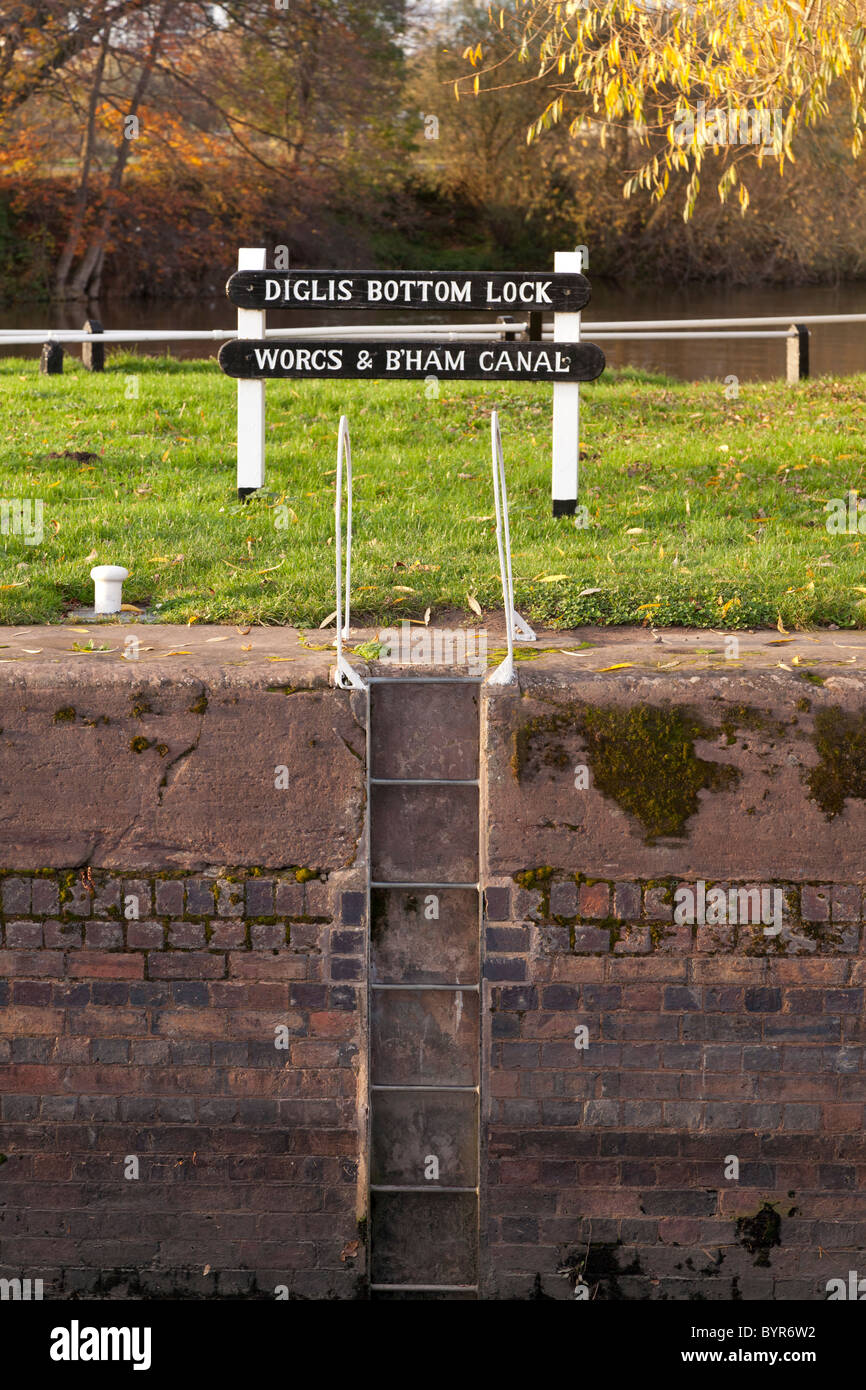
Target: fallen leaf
<point>326,622</point>
<point>780,626</point>
<point>178,653</point>
<point>635,531</point>
<point>618,666</point>
<point>291,658</point>
<point>247,648</point>
<point>130,608</point>
<point>92,556</point>
<point>584,592</point>
<point>427,617</point>
<point>474,604</point>
<point>217,639</point>
<point>242,631</point>
<point>32,651</point>
<point>552,578</point>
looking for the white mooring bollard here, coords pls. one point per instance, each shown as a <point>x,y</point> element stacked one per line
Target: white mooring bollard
<point>108,586</point>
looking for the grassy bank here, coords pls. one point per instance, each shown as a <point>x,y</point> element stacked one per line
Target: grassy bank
<point>703,511</point>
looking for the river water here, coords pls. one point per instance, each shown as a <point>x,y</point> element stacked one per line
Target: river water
<point>836,349</point>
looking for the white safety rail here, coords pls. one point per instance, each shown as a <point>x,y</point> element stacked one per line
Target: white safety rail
<point>516,630</point>
<point>345,676</point>
<point>473,332</point>
<point>755,321</point>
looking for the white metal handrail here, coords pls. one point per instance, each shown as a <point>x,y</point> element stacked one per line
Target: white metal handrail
<point>480,331</point>
<point>346,676</point>
<point>755,321</point>
<point>516,630</point>
<point>685,336</point>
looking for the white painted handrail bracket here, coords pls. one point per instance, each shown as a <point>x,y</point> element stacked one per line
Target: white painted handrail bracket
<point>516,630</point>
<point>345,676</point>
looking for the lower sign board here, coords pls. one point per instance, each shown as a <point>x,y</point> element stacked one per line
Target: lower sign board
<point>449,361</point>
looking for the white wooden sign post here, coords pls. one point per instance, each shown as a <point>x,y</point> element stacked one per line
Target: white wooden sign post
<point>566,405</point>
<point>254,356</point>
<point>251,394</point>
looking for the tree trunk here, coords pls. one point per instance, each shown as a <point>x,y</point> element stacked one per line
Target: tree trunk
<point>73,236</point>
<point>90,268</point>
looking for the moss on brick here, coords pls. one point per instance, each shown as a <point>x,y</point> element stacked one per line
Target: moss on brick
<point>759,1233</point>
<point>642,756</point>
<point>840,741</point>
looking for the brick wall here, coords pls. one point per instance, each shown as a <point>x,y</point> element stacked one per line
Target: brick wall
<point>153,1036</point>
<point>606,1164</point>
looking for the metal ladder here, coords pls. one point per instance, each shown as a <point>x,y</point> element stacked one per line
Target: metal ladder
<point>400,1091</point>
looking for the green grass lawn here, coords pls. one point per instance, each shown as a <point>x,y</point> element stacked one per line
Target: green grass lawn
<point>702,511</point>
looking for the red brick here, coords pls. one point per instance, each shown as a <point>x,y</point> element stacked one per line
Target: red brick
<point>642,997</point>
<point>815,903</point>
<point>31,964</point>
<point>306,1052</point>
<point>24,1022</point>
<point>198,965</point>
<point>810,972</point>
<point>191,1023</point>
<point>594,900</point>
<point>95,965</point>
<point>148,936</point>
<point>656,968</point>
<point>578,969</point>
<point>728,970</point>
<point>333,1025</point>
<point>254,966</point>
<point>99,1020</point>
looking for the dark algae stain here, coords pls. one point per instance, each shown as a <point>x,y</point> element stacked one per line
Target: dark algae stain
<point>642,757</point>
<point>759,1233</point>
<point>840,741</point>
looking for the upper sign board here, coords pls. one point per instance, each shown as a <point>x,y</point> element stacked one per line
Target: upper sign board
<point>502,291</point>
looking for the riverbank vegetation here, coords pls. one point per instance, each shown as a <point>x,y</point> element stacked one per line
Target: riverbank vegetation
<point>141,144</point>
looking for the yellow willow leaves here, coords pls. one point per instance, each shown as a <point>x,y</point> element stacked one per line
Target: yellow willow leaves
<point>778,57</point>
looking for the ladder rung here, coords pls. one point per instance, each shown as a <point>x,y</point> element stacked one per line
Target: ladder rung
<point>398,1086</point>
<point>424,782</point>
<point>471,988</point>
<point>387,1187</point>
<point>400,883</point>
<point>423,1288</point>
<point>424,680</point>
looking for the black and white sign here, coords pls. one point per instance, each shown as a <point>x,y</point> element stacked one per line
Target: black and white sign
<point>247,358</point>
<point>502,291</point>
